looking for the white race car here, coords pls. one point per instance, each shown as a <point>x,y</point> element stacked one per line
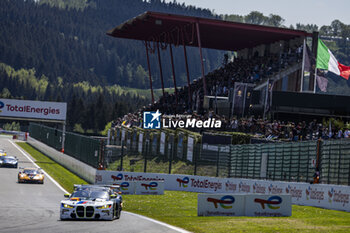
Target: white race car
<point>92,202</point>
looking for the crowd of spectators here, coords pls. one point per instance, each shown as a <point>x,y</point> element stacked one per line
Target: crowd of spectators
<point>220,81</point>
<point>271,130</point>
<point>251,70</point>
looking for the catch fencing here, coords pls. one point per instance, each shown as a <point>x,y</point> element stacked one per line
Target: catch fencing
<point>83,148</point>
<point>181,152</point>
<point>161,151</point>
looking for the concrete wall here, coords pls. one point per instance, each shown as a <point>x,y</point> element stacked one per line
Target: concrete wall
<point>79,168</point>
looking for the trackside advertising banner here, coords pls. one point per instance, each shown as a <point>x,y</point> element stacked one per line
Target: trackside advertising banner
<point>268,205</point>
<point>33,109</point>
<point>336,197</point>
<point>244,205</point>
<point>220,205</point>
<point>149,188</point>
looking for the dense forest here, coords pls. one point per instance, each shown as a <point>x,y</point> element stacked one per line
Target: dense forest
<point>58,50</point>
<point>71,42</point>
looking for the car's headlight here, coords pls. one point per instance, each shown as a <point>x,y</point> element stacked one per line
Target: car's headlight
<point>67,206</point>
<point>22,175</point>
<point>104,207</point>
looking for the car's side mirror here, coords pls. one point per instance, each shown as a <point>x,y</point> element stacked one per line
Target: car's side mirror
<point>66,195</point>
<point>113,196</point>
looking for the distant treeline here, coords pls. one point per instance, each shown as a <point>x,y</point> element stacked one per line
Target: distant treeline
<point>90,108</point>
<point>58,50</point>
<point>71,42</point>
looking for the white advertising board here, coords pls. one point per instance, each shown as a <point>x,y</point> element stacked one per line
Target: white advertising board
<point>336,197</point>
<point>190,142</point>
<point>162,143</point>
<point>220,205</point>
<point>268,205</point>
<point>139,148</point>
<point>149,188</point>
<point>33,109</point>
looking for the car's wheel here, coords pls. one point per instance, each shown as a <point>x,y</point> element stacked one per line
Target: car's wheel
<point>118,211</point>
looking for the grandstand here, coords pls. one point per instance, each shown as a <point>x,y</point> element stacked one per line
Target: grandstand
<point>264,79</point>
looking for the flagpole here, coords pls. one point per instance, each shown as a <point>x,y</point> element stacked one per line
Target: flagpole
<point>315,79</point>
<point>303,66</point>
<point>315,48</point>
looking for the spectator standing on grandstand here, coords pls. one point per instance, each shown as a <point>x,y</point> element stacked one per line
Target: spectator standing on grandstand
<point>346,133</point>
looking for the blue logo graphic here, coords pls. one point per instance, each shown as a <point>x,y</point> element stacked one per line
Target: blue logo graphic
<point>1,105</point>
<point>151,120</point>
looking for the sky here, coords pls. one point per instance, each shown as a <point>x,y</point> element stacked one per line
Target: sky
<point>319,12</point>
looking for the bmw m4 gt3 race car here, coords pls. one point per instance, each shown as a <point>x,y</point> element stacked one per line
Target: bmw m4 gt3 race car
<point>92,202</point>
<point>8,161</point>
<point>31,175</point>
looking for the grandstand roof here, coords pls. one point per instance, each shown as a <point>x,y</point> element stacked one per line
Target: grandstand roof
<point>214,33</point>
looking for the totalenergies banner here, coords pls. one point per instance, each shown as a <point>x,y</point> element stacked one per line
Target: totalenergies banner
<point>336,197</point>
<point>33,109</point>
<point>244,205</point>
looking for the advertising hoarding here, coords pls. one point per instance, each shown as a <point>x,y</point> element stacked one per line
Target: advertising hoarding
<point>33,109</point>
<point>149,188</point>
<point>220,205</point>
<point>268,205</point>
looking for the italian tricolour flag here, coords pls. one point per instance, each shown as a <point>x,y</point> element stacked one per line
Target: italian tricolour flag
<point>327,61</point>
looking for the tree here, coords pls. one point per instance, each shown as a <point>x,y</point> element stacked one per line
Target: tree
<point>275,20</point>
<point>255,17</point>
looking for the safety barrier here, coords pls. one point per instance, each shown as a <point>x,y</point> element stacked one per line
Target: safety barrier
<point>83,148</point>
<point>336,197</point>
<point>79,168</point>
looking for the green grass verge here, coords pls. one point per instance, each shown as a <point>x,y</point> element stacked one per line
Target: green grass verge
<point>63,176</point>
<point>157,165</point>
<point>180,209</point>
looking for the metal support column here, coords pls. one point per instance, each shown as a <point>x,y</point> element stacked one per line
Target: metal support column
<point>160,68</point>
<point>312,79</point>
<point>201,57</point>
<point>63,135</point>
<point>149,72</point>
<point>303,66</point>
<point>187,71</point>
<point>173,69</point>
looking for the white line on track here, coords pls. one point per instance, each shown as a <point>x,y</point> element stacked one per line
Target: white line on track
<point>47,175</point>
<point>158,222</point>
<point>126,212</point>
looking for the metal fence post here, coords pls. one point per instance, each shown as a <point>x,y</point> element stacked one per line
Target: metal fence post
<point>195,152</point>
<point>171,157</point>
<point>217,161</point>
<point>229,163</point>
<point>145,164</point>
<point>121,157</point>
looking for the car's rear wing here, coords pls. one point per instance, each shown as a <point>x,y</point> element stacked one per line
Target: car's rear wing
<point>86,186</point>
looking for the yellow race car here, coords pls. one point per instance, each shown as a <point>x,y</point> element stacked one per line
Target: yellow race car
<point>31,175</point>
<point>2,152</point>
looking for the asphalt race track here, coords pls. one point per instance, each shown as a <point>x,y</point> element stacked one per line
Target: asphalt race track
<point>35,207</point>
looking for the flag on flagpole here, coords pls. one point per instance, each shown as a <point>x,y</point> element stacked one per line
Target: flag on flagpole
<point>327,61</point>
